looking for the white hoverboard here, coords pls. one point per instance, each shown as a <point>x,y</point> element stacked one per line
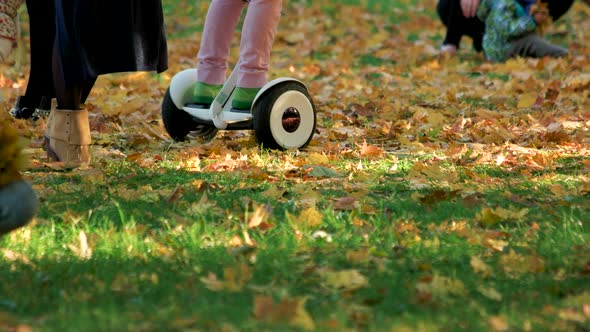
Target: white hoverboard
<point>282,114</point>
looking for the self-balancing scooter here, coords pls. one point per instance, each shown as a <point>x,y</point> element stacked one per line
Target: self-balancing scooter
<point>282,114</point>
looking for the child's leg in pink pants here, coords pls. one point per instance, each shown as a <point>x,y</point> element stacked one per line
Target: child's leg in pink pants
<point>258,34</point>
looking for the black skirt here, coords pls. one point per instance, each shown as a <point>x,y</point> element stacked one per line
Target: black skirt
<point>96,37</point>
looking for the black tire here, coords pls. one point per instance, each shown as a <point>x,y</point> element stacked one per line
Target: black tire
<point>180,124</point>
<point>284,117</point>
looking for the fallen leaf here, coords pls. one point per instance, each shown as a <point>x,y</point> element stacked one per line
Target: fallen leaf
<point>345,203</point>
<point>321,172</point>
<point>499,323</point>
<point>515,265</point>
<point>290,311</point>
<point>258,217</point>
<point>309,217</point>
<point>527,100</point>
<point>82,249</point>
<point>345,280</point>
<point>441,288</point>
<point>479,266</point>
<point>490,293</point>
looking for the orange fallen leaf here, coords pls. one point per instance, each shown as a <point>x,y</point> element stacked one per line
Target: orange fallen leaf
<point>289,311</point>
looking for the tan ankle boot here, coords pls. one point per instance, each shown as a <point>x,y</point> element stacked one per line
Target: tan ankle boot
<point>68,137</point>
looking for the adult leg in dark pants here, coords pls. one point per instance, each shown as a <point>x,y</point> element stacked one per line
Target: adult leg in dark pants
<point>96,37</point>
<point>451,15</point>
<point>67,137</point>
<point>559,7</point>
<point>40,88</point>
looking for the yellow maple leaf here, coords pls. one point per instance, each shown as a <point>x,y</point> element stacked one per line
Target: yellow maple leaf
<point>527,100</point>
<point>490,216</point>
<point>318,159</point>
<point>309,217</point>
<point>435,119</point>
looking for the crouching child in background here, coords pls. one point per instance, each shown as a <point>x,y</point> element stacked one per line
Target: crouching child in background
<point>510,31</point>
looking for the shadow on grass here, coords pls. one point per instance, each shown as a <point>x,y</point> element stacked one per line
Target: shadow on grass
<point>115,290</point>
<point>152,254</point>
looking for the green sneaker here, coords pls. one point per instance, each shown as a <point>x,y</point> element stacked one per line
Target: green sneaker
<point>244,97</point>
<point>205,93</point>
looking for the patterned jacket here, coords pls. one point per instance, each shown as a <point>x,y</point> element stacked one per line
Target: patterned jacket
<point>8,10</point>
<point>505,21</point>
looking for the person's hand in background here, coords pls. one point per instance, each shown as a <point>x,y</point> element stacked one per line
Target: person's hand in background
<point>540,17</point>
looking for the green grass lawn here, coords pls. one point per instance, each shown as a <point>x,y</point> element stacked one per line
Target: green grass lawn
<point>152,260</point>
<point>183,238</point>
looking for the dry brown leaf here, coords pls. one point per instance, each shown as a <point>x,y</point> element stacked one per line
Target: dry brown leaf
<point>289,311</point>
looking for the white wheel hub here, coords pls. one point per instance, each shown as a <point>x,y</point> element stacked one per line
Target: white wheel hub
<point>292,119</point>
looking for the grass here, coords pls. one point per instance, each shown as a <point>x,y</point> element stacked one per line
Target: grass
<point>149,255</point>
<point>410,241</point>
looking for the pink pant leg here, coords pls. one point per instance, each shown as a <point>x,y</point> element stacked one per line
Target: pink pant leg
<point>221,21</point>
<point>258,35</point>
